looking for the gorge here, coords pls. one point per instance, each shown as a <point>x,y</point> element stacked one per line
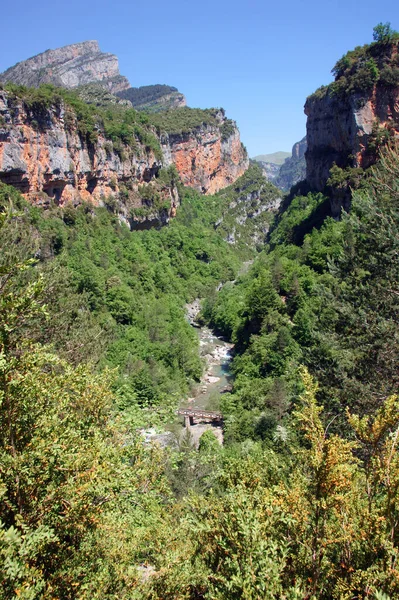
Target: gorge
<point>123,228</point>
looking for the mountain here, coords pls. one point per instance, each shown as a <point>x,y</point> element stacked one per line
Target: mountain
<point>283,169</point>
<point>84,66</point>
<point>70,67</point>
<point>97,353</point>
<point>54,147</point>
<point>294,168</point>
<point>276,158</point>
<point>352,118</point>
<point>153,97</point>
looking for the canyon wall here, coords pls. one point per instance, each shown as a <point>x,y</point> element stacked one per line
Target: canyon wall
<point>205,159</point>
<point>52,161</point>
<point>339,130</point>
<point>350,119</point>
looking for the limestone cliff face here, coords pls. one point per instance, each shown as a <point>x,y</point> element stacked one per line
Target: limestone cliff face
<point>54,163</point>
<point>347,120</point>
<point>293,169</point>
<point>70,67</point>
<point>49,160</point>
<point>205,159</point>
<point>339,129</point>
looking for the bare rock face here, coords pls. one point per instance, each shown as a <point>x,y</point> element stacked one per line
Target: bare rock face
<point>204,159</point>
<point>348,119</point>
<point>339,131</point>
<point>52,163</point>
<point>293,169</point>
<point>70,67</point>
<point>46,157</point>
<point>299,149</point>
<point>49,161</point>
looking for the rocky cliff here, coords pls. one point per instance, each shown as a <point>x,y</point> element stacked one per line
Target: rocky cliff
<point>294,168</point>
<point>207,158</point>
<point>70,67</point>
<point>84,66</point>
<point>349,119</point>
<point>288,170</point>
<point>54,151</point>
<point>52,160</point>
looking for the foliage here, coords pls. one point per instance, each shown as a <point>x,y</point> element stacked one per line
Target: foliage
<point>302,499</point>
<point>360,69</point>
<point>322,297</point>
<point>146,94</point>
<point>124,126</point>
<point>383,33</point>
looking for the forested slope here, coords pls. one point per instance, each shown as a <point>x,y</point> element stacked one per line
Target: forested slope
<point>302,501</point>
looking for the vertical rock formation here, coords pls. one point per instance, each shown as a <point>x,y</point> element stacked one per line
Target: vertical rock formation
<point>351,117</point>
<point>294,168</point>
<point>44,154</point>
<point>206,159</point>
<point>48,150</point>
<point>54,162</point>
<point>70,67</point>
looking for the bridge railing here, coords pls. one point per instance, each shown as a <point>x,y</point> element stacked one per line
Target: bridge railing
<point>205,414</point>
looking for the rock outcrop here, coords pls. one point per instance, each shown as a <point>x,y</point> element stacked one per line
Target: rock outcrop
<point>84,64</point>
<point>294,167</point>
<point>54,162</point>
<point>270,170</point>
<point>44,154</point>
<point>70,67</point>
<point>47,153</point>
<point>350,118</point>
<point>206,159</point>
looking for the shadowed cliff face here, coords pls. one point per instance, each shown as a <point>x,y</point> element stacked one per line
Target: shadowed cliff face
<point>350,119</point>
<point>294,168</point>
<point>339,130</point>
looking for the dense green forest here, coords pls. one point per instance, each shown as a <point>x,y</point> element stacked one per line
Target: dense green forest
<point>302,500</point>
<point>146,95</point>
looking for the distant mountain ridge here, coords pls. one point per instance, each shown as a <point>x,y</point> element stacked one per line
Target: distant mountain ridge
<point>85,65</point>
<point>290,169</point>
<point>70,67</point>
<point>294,168</point>
<point>153,97</point>
<point>276,158</point>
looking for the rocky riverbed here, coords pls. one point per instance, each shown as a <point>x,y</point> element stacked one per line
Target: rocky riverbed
<point>205,395</point>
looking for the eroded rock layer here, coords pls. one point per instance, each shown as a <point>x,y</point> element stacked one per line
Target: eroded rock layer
<point>352,117</point>
<point>338,129</point>
<point>205,159</point>
<point>50,160</point>
<point>54,163</point>
<point>70,67</point>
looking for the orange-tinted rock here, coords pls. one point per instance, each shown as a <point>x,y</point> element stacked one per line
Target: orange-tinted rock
<point>53,162</point>
<point>341,123</point>
<point>204,160</point>
<point>50,161</point>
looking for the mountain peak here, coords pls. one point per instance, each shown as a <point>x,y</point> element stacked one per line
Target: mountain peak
<point>69,66</point>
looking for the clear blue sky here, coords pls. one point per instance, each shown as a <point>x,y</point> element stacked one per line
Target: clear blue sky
<point>258,59</point>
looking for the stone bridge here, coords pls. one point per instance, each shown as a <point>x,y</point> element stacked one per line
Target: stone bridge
<point>190,414</point>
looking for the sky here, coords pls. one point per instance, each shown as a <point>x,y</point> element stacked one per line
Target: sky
<point>259,60</point>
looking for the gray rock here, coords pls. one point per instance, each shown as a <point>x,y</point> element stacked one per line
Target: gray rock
<point>70,67</point>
